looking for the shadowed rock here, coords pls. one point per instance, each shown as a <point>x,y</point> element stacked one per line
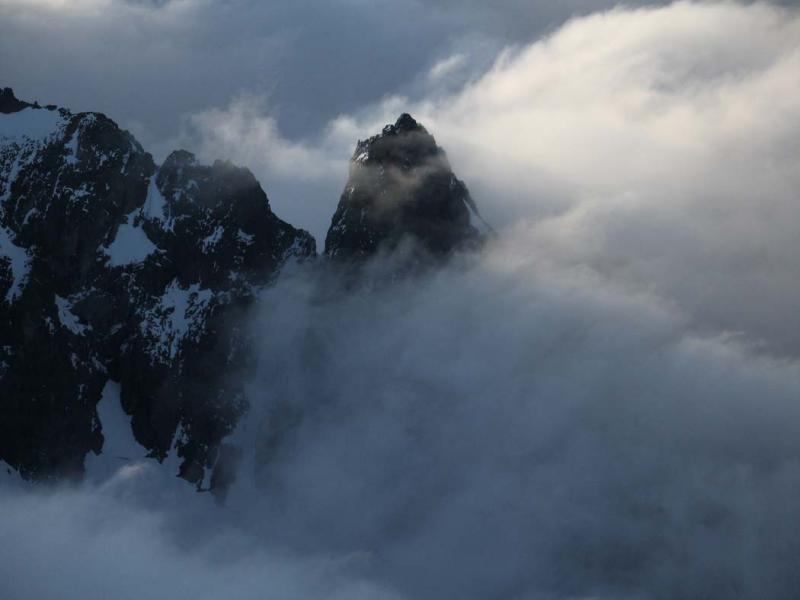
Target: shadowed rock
<point>401,187</point>
<point>9,103</point>
<point>114,268</point>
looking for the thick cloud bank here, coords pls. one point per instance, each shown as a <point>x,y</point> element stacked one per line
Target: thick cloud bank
<point>582,410</point>
<point>505,430</point>
<point>499,429</point>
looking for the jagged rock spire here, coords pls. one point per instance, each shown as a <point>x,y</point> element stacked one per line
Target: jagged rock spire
<point>401,187</point>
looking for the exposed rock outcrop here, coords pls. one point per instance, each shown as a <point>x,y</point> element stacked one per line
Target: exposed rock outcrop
<point>401,187</point>
<point>111,266</point>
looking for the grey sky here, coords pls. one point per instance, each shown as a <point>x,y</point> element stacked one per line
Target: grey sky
<point>148,63</point>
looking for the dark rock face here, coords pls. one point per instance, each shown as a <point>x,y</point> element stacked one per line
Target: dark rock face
<point>401,187</point>
<point>111,267</point>
<point>217,241</point>
<point>9,102</point>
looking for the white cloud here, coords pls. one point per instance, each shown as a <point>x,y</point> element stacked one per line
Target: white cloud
<point>244,133</point>
<point>106,542</point>
<point>446,66</point>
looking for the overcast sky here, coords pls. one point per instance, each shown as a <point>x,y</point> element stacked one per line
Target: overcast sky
<point>149,62</point>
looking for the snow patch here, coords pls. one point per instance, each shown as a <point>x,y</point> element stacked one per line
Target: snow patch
<point>131,245</point>
<point>245,238</point>
<point>172,463</point>
<point>72,148</point>
<point>10,171</point>
<point>179,315</point>
<point>22,135</point>
<point>155,205</point>
<point>29,124</point>
<point>297,249</point>
<point>120,449</point>
<point>187,305</point>
<point>32,213</point>
<point>212,240</point>
<point>68,318</point>
<point>19,262</point>
<point>9,475</point>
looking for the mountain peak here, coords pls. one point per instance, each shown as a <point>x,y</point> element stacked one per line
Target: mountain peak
<point>404,123</point>
<point>180,158</point>
<point>401,186</point>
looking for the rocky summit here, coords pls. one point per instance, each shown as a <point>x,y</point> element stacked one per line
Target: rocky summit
<point>114,268</point>
<point>401,187</point>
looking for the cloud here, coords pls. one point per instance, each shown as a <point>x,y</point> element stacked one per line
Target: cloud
<point>303,177</point>
<point>98,543</point>
<point>446,66</point>
<point>244,133</point>
<point>508,428</point>
<point>500,428</point>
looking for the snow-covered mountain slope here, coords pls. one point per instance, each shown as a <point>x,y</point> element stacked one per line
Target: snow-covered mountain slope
<point>114,267</point>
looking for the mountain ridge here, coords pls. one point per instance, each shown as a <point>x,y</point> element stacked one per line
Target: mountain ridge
<point>115,268</point>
